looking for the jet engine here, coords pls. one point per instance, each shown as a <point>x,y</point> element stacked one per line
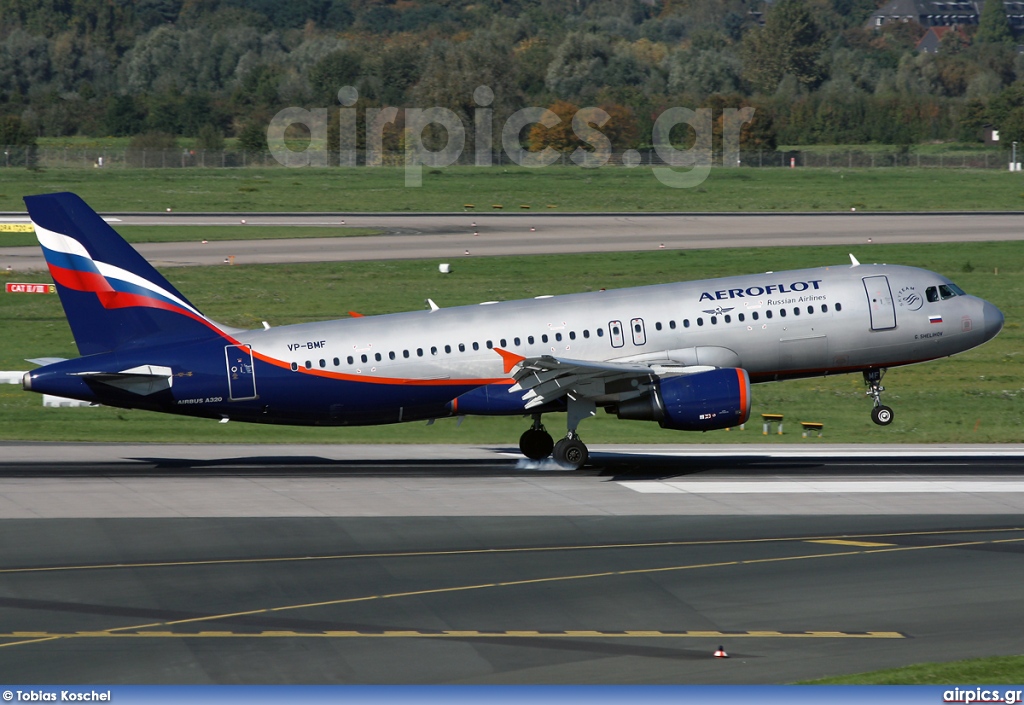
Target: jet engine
<point>704,401</point>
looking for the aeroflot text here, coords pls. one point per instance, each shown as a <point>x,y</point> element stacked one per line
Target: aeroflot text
<point>979,695</point>
<point>760,290</point>
<point>64,696</point>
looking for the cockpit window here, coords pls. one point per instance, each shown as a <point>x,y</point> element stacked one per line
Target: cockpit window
<point>946,292</point>
<point>932,294</point>
<point>957,290</point>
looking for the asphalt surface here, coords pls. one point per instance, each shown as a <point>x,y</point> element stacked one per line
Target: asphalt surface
<point>446,584</point>
<point>448,237</point>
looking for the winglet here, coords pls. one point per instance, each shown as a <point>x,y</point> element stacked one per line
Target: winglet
<point>853,261</point>
<point>510,359</point>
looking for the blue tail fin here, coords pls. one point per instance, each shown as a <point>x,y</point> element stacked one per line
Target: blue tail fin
<point>111,295</point>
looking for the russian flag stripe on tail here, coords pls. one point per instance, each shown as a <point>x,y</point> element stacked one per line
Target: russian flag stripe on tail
<point>111,295</point>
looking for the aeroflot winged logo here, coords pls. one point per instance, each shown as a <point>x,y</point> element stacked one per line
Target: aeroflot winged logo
<point>794,287</point>
<point>73,267</point>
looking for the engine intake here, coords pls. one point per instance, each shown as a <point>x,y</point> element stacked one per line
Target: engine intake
<point>699,402</point>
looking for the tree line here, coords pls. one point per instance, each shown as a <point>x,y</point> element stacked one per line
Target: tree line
<point>212,69</point>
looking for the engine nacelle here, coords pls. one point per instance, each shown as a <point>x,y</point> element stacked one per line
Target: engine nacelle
<point>699,402</point>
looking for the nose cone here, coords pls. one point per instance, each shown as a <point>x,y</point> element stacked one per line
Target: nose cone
<point>993,320</point>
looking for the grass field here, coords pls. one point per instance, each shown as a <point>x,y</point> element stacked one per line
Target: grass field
<point>974,397</point>
<point>213,233</point>
<point>610,188</point>
<point>998,670</point>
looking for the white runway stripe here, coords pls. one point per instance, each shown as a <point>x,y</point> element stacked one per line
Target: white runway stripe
<point>827,487</point>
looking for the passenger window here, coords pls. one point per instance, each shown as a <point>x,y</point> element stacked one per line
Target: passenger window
<point>544,338</point>
<point>462,347</point>
<point>810,309</point>
<point>337,362</point>
<point>448,349</point>
<point>433,350</point>
<point>530,340</point>
<point>558,337</point>
<point>657,326</point>
<point>586,333</point>
<point>572,335</point>
<point>782,312</point>
<point>323,363</point>
<point>672,325</point>
<point>391,355</point>
<point>309,365</point>
<point>377,357</point>
<point>755,315</point>
<point>686,323</point>
<point>350,360</point>
<point>295,366</point>
<point>728,318</point>
<point>405,354</point>
<point>741,317</point>
<point>363,358</point>
<point>600,332</point>
<point>516,341</point>
<point>700,321</point>
<point>419,352</point>
<point>796,310</point>
<point>714,321</point>
<point>839,307</point>
<point>824,308</point>
<point>476,346</point>
<point>932,294</point>
<point>768,313</point>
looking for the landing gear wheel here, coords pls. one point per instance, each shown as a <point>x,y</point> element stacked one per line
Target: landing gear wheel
<point>571,453</point>
<point>881,415</point>
<point>536,444</point>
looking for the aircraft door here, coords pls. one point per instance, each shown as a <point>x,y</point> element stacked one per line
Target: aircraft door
<point>880,303</point>
<point>615,333</point>
<point>639,333</point>
<point>241,374</point>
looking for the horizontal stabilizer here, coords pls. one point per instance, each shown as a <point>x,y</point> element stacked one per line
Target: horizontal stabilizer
<point>142,380</point>
<point>43,361</point>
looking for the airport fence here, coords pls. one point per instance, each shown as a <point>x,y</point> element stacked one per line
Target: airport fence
<point>99,158</point>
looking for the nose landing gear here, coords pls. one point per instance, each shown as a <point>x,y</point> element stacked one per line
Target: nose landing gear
<point>880,414</point>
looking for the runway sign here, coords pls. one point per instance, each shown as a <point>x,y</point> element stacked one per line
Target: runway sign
<point>15,227</point>
<point>20,288</point>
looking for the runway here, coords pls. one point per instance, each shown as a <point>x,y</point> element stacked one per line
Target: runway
<point>450,236</point>
<point>333,564</point>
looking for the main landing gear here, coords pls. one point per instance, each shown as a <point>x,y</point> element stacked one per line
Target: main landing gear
<point>569,452</point>
<point>880,414</point>
<point>536,442</point>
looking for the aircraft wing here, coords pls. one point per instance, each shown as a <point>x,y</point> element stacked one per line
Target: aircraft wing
<point>547,378</point>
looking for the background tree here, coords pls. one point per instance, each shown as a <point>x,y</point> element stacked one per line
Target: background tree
<point>789,43</point>
<point>993,27</point>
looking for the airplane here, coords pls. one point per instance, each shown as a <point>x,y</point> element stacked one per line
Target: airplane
<point>683,355</point>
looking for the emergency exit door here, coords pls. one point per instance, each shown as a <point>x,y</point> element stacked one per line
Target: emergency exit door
<point>880,303</point>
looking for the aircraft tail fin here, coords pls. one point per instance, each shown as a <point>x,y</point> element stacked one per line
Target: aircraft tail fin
<point>111,295</point>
